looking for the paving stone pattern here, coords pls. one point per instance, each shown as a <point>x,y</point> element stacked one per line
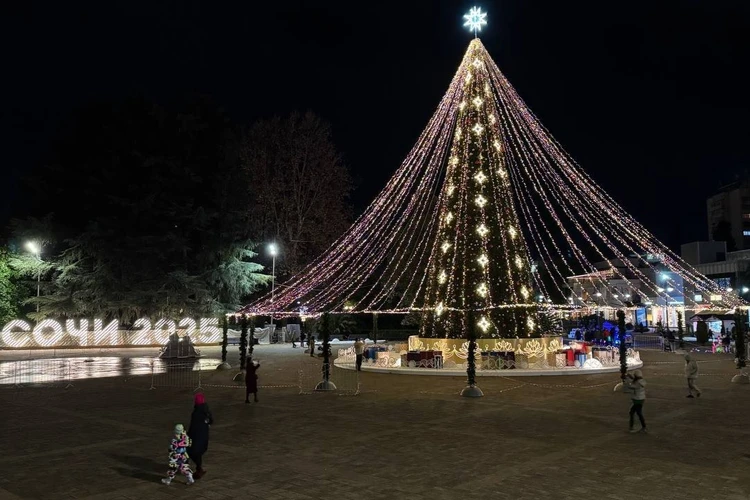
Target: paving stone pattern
<point>407,437</point>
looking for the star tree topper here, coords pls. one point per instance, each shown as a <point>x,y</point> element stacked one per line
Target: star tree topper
<point>475,19</point>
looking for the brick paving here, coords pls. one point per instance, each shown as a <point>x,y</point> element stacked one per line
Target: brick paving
<point>405,436</point>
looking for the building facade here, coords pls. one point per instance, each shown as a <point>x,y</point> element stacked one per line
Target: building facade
<point>731,204</point>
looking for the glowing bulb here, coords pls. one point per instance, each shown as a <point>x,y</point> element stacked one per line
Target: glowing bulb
<point>480,200</point>
<point>482,290</point>
<point>484,324</point>
<point>477,102</point>
<point>468,76</point>
<point>525,292</point>
<point>478,128</point>
<point>530,323</point>
<point>442,278</point>
<point>445,247</point>
<point>497,145</point>
<point>458,133</point>
<point>492,118</point>
<point>480,177</point>
<point>477,63</point>
<point>483,260</point>
<point>462,105</point>
<point>502,173</point>
<point>454,160</point>
<point>482,230</point>
<point>660,289</point>
<point>439,309</point>
<point>451,188</point>
<point>448,217</point>
<point>519,262</point>
<point>512,231</point>
<point>670,289</point>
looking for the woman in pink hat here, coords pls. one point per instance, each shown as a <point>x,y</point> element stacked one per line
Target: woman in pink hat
<point>200,423</point>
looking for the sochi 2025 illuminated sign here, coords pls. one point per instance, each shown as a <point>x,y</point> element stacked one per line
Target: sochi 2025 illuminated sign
<point>50,333</point>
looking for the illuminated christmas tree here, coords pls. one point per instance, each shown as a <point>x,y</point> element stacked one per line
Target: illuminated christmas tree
<point>480,271</point>
<point>486,190</point>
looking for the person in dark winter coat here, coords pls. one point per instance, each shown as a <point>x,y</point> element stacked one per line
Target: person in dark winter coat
<point>200,423</point>
<point>251,381</point>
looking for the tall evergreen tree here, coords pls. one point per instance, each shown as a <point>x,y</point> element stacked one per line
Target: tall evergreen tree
<point>479,266</point>
<point>157,224</point>
<point>9,294</point>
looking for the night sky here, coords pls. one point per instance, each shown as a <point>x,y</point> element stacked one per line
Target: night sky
<point>650,97</point>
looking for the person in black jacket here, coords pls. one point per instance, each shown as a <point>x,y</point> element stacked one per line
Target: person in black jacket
<point>200,423</point>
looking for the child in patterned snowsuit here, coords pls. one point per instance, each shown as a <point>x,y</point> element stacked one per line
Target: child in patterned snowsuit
<point>178,457</point>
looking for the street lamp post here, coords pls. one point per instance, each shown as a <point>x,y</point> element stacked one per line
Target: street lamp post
<point>273,250</point>
<point>35,250</point>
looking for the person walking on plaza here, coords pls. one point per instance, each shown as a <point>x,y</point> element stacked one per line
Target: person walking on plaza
<point>311,343</point>
<point>200,423</point>
<point>636,385</point>
<point>359,350</point>
<point>178,456</point>
<point>251,380</point>
<point>691,373</point>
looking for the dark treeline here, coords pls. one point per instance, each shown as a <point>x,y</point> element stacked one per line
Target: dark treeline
<point>144,209</point>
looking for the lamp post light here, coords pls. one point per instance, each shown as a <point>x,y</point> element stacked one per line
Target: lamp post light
<point>34,248</point>
<point>273,250</point>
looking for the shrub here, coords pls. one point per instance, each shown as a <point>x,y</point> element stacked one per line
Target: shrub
<point>701,333</point>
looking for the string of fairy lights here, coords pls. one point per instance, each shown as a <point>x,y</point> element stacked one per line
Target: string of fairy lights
<point>486,192</point>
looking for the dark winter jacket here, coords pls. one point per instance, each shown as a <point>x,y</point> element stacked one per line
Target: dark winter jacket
<point>200,422</point>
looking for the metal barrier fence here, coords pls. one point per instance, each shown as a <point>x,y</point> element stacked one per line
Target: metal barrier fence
<point>36,372</point>
<point>342,381</point>
<point>647,341</point>
<point>185,375</point>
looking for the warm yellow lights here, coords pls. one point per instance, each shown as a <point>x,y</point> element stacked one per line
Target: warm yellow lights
<point>502,173</point>
<point>478,128</point>
<point>462,105</point>
<point>439,309</point>
<point>442,277</point>
<point>448,217</point>
<point>530,323</point>
<point>482,230</point>
<point>445,247</point>
<point>482,290</point>
<point>451,188</point>
<point>525,292</point>
<point>468,76</point>
<point>484,324</point>
<point>459,132</point>
<point>493,120</point>
<point>512,232</point>
<point>477,63</point>
<point>480,177</point>
<point>454,160</point>
<point>497,145</point>
<point>477,102</point>
<point>483,260</point>
<point>480,200</point>
<point>519,262</point>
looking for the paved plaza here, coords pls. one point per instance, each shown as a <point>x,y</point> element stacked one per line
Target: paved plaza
<point>403,436</point>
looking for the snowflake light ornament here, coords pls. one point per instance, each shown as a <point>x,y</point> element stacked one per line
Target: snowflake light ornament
<point>475,19</point>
